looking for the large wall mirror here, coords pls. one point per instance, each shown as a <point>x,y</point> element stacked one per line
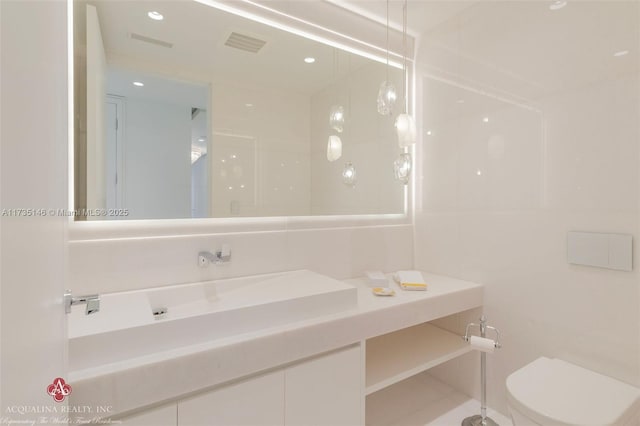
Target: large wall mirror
<point>186,111</point>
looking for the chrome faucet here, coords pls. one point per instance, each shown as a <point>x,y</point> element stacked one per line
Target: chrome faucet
<point>92,301</point>
<point>220,256</point>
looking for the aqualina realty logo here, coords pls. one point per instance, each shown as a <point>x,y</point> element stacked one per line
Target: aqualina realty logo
<point>59,390</point>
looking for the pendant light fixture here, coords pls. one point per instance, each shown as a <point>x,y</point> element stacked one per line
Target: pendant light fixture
<point>405,123</point>
<point>336,118</point>
<point>402,168</point>
<point>406,130</point>
<point>334,148</point>
<point>349,175</point>
<point>336,121</point>
<point>387,93</point>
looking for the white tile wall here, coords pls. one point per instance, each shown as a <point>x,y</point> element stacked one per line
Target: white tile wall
<point>496,199</point>
<point>118,264</point>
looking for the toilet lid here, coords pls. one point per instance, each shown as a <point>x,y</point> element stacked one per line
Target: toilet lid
<point>555,392</point>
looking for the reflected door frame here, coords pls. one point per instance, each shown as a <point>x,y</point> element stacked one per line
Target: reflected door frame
<point>115,176</point>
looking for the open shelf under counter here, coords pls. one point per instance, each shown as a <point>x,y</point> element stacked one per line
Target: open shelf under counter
<point>396,356</point>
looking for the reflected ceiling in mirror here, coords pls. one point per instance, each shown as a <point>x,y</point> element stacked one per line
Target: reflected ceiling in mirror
<point>203,113</point>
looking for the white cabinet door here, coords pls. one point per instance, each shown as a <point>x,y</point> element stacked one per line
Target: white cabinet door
<point>257,401</point>
<point>325,391</point>
<point>163,416</point>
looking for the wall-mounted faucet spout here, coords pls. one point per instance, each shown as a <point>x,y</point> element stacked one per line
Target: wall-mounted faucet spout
<point>221,256</point>
<point>92,301</point>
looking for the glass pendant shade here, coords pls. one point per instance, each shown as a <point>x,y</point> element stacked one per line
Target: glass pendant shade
<point>386,98</point>
<point>406,130</point>
<point>349,175</point>
<point>402,168</point>
<point>334,148</point>
<point>336,118</point>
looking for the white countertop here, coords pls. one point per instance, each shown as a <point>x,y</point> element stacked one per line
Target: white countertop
<point>138,382</point>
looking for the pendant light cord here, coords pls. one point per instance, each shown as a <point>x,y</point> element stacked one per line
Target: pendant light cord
<point>335,73</point>
<point>387,40</point>
<point>404,54</point>
<point>348,86</point>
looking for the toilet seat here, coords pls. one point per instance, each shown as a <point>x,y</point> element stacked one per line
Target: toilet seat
<point>555,392</point>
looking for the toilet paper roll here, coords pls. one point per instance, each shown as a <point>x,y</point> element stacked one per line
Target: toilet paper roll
<point>482,344</point>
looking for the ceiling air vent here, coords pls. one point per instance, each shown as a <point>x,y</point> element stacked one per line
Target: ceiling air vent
<point>244,42</point>
<point>151,40</point>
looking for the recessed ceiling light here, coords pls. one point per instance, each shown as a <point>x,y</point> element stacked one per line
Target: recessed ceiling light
<point>621,53</point>
<point>248,105</point>
<point>201,139</point>
<point>156,16</point>
<point>309,60</point>
<point>429,133</point>
<point>557,5</point>
<point>138,83</point>
<point>485,120</point>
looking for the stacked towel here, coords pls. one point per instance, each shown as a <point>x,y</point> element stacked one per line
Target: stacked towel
<point>410,280</point>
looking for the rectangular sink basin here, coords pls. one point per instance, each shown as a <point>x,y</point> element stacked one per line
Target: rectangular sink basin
<point>143,322</point>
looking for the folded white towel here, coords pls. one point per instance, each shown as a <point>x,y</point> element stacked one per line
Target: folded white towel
<point>410,280</point>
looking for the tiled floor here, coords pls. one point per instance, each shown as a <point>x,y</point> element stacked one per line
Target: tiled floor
<point>423,401</point>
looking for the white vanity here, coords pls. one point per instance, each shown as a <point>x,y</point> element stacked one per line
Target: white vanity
<point>316,369</point>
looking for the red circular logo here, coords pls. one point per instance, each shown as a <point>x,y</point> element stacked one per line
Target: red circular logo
<point>58,389</point>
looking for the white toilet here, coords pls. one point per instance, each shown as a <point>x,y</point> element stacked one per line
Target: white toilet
<point>552,392</point>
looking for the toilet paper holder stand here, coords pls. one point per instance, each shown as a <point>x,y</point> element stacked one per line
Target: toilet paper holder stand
<point>482,419</point>
<point>483,327</point>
